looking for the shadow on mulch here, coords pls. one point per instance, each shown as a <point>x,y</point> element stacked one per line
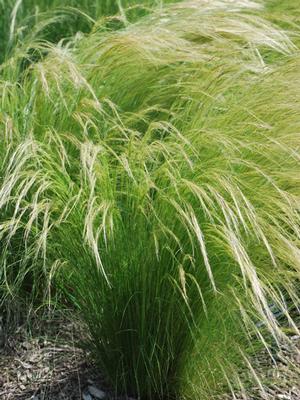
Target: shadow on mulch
<point>45,363</point>
<point>69,387</point>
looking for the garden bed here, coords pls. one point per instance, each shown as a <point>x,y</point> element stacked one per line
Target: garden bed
<point>48,365</point>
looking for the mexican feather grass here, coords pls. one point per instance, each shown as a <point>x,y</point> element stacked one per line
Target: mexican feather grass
<point>54,20</point>
<point>151,175</point>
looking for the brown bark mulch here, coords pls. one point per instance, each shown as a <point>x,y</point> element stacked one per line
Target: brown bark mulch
<point>49,366</point>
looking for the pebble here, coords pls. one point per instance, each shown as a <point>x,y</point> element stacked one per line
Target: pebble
<point>295,337</point>
<point>95,392</point>
<point>86,396</point>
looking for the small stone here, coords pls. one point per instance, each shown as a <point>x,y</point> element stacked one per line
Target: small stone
<point>99,394</point>
<point>86,396</point>
<point>295,337</point>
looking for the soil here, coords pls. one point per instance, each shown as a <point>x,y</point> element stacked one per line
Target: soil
<point>46,364</point>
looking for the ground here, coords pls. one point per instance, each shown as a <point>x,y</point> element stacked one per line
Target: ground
<point>46,364</point>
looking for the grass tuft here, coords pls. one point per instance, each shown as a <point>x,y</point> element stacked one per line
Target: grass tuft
<point>150,175</point>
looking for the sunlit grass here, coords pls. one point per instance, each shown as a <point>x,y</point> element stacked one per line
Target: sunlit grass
<point>151,175</point>
<point>54,20</point>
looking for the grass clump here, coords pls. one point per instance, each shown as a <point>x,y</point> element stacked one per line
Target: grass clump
<point>53,20</point>
<point>152,173</point>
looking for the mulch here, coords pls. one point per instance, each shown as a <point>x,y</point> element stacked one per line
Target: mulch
<point>46,364</point>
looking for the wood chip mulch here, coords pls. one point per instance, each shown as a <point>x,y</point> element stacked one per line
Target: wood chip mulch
<point>49,366</point>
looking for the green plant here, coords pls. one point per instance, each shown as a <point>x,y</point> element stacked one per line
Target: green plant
<point>54,20</point>
<point>153,174</point>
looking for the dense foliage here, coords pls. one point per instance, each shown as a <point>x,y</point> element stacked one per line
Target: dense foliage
<point>150,177</point>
